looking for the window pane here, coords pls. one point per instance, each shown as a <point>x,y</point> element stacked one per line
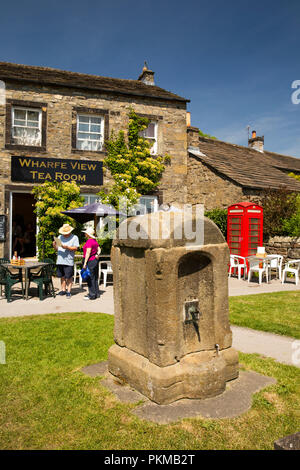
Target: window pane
<point>32,124</point>
<point>33,115</point>
<point>20,114</point>
<point>96,146</point>
<point>19,123</point>
<point>150,131</point>
<point>95,128</point>
<point>83,118</point>
<point>94,136</point>
<point>83,127</point>
<point>19,131</point>
<point>95,120</point>
<point>83,136</point>
<point>83,145</point>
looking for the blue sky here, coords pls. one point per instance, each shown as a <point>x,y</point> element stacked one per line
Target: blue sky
<point>235,60</point>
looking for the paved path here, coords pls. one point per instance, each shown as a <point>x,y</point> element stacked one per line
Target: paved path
<point>281,348</point>
<point>244,339</point>
<point>236,287</point>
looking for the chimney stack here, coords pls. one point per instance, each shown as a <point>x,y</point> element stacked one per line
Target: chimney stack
<point>147,76</point>
<point>256,142</point>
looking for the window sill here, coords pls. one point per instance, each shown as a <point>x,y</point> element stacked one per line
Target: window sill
<point>86,152</point>
<point>26,148</point>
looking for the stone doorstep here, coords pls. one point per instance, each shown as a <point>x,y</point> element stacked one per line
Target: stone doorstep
<point>234,401</point>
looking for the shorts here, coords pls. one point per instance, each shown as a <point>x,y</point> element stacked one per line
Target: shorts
<point>65,271</point>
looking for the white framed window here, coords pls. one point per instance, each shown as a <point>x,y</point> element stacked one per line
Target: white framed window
<point>90,198</point>
<point>151,135</point>
<point>26,126</point>
<point>90,132</point>
<point>146,205</point>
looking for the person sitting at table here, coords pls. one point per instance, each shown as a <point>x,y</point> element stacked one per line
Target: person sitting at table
<point>65,258</point>
<point>91,252</point>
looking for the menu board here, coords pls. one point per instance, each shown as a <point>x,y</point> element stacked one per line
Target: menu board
<point>2,228</point>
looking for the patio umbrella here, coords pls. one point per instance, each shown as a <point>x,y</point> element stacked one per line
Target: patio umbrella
<point>92,212</point>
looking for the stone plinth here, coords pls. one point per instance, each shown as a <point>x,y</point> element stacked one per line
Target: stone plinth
<point>172,333</point>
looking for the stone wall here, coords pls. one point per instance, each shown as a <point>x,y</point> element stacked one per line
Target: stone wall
<point>288,247</point>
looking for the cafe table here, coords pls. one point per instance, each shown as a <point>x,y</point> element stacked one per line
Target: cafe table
<point>25,268</point>
<point>266,259</point>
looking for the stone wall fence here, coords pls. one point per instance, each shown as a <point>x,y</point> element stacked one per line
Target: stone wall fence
<point>288,247</point>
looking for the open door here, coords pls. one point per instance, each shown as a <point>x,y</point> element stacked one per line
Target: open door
<point>23,225</point>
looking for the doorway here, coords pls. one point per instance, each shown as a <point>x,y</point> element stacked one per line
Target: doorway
<point>23,225</point>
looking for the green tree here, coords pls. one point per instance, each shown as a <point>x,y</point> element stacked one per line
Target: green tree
<point>292,225</point>
<point>134,170</point>
<point>52,198</point>
<point>280,206</point>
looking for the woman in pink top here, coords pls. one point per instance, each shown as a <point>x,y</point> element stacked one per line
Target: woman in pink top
<point>91,252</point>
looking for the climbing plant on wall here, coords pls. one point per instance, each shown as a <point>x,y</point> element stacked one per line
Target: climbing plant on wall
<point>134,170</point>
<point>52,198</point>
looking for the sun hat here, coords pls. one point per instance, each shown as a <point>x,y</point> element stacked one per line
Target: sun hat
<point>90,231</point>
<point>65,229</point>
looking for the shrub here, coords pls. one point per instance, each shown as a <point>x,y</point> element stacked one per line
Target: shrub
<point>219,217</point>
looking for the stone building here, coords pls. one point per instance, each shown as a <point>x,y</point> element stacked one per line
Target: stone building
<point>54,123</point>
<point>220,174</point>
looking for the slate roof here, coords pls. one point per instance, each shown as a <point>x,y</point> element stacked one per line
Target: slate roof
<point>247,167</point>
<point>50,76</point>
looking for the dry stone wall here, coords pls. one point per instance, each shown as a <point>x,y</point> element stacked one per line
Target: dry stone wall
<point>288,247</point>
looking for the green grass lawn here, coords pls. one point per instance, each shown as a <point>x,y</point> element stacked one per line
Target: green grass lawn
<point>46,402</point>
<point>277,313</point>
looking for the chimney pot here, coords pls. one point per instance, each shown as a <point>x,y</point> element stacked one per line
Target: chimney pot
<point>147,76</point>
<point>256,142</point>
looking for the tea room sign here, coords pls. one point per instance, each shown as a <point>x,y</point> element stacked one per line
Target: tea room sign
<point>38,170</point>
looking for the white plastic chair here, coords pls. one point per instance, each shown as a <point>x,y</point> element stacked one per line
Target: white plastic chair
<point>77,269</point>
<point>275,262</point>
<point>293,267</point>
<point>254,266</point>
<point>239,263</point>
<point>105,271</point>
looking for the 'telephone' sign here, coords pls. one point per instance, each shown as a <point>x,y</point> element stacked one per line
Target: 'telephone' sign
<point>39,170</point>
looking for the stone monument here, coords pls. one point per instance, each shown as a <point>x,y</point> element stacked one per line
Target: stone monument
<point>172,333</point>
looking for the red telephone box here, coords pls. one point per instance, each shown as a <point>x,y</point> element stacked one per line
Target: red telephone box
<point>244,228</point>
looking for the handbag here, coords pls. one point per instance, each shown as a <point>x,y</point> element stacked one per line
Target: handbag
<point>85,274</point>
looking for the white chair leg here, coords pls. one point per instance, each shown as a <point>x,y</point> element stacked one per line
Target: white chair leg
<point>297,278</point>
<point>104,278</point>
<point>259,277</point>
<point>283,277</point>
